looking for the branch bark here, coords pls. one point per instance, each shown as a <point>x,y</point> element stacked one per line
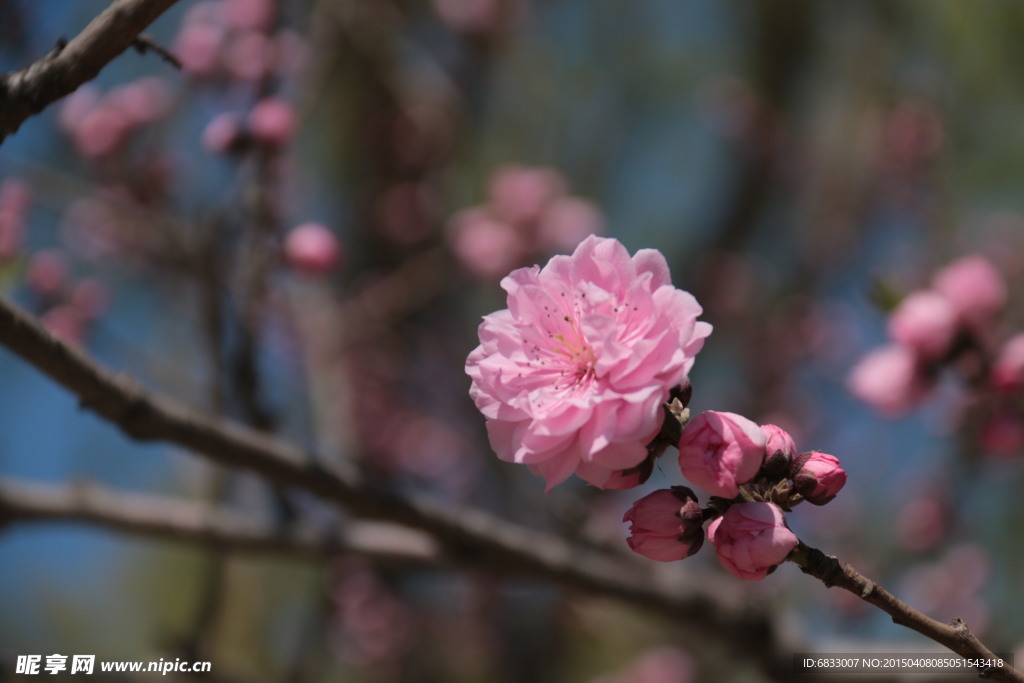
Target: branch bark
<point>28,91</point>
<point>205,525</point>
<point>467,537</point>
<point>955,635</point>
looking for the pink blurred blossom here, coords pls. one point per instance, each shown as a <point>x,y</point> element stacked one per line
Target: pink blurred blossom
<point>142,101</point>
<point>312,248</point>
<point>567,222</point>
<point>751,539</point>
<point>222,133</point>
<point>888,379</point>
<point>926,322</point>
<point>248,15</point>
<point>571,377</point>
<point>660,665</point>
<point>249,56</point>
<point>477,16</point>
<point>976,290</point>
<point>665,525</point>
<point>923,520</point>
<point>1002,433</point>
<point>65,322</point>
<point>521,193</point>
<point>198,47</point>
<point>819,477</point>
<point>101,132</point>
<point>485,246</point>
<point>90,297</point>
<point>272,121</point>
<point>719,451</point>
<point>1008,368</point>
<point>47,272</point>
<point>76,106</point>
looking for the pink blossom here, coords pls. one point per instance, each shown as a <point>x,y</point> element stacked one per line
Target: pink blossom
<point>751,539</point>
<point>572,375</point>
<point>1008,368</point>
<point>819,477</point>
<point>312,248</point>
<point>272,121</point>
<point>521,193</point>
<point>925,322</point>
<point>779,450</point>
<point>890,379</point>
<point>484,245</point>
<point>666,525</point>
<point>719,451</point>
<point>974,287</point>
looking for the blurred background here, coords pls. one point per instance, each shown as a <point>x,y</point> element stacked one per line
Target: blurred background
<point>301,227</point>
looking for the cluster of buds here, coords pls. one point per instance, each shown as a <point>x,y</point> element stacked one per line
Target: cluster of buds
<point>528,213</point>
<point>952,325</point>
<point>931,329</point>
<point>754,475</point>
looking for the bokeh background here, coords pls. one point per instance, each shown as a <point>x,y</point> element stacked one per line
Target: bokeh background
<point>789,158</point>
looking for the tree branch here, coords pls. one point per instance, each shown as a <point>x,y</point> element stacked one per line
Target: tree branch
<point>28,91</point>
<point>955,635</point>
<point>467,537</point>
<point>200,524</point>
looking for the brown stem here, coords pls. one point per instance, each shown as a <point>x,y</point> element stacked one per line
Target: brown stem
<point>954,635</point>
<point>28,91</point>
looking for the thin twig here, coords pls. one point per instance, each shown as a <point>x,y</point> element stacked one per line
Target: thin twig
<point>28,91</point>
<point>146,43</point>
<point>955,635</point>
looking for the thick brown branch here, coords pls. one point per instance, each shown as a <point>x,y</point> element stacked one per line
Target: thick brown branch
<point>955,635</point>
<point>28,91</point>
<point>467,537</point>
<point>198,524</point>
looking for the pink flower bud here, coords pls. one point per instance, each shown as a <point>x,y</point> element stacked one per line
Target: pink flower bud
<point>312,248</point>
<point>974,287</point>
<point>925,322</point>
<point>818,477</point>
<point>720,451</point>
<point>779,450</point>
<point>1008,369</point>
<point>890,379</point>
<point>272,121</point>
<point>751,539</point>
<point>666,525</point>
